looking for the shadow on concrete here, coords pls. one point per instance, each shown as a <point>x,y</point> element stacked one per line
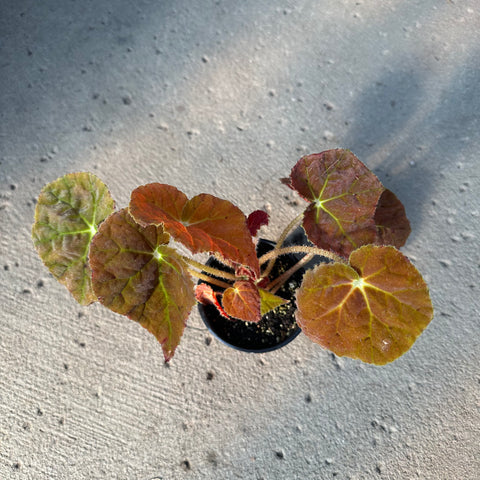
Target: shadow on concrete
<point>412,139</point>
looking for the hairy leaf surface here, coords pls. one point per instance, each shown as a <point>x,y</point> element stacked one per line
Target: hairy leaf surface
<point>203,224</point>
<point>393,227</point>
<point>67,216</point>
<point>343,193</point>
<point>373,309</point>
<point>242,301</point>
<point>137,275</point>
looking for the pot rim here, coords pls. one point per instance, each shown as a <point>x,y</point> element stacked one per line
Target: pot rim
<point>205,320</point>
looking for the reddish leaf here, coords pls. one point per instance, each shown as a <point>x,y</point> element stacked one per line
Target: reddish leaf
<point>134,273</point>
<point>372,310</point>
<point>287,181</point>
<point>203,224</point>
<point>206,296</point>
<point>242,301</point>
<point>393,227</point>
<point>343,193</point>
<point>255,220</point>
<point>67,215</point>
<point>244,273</point>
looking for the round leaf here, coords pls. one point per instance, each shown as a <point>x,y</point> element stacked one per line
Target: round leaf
<point>373,309</point>
<point>203,224</point>
<point>136,274</point>
<point>242,301</point>
<point>67,215</point>
<point>343,193</point>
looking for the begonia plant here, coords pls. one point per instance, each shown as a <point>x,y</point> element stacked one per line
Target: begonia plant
<point>366,300</point>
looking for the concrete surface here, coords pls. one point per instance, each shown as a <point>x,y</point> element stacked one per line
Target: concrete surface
<point>223,97</point>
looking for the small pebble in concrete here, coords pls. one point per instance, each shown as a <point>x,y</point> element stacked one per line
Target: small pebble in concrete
<point>127,100</point>
<point>212,458</point>
<point>337,362</point>
<point>328,135</point>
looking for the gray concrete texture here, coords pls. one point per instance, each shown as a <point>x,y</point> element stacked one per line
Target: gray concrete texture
<point>224,97</point>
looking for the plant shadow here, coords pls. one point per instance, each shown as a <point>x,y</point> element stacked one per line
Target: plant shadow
<point>409,135</point>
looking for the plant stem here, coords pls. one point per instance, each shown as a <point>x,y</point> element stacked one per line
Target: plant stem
<point>210,270</point>
<point>300,249</point>
<point>275,284</point>
<point>280,241</point>
<point>208,278</point>
<point>223,260</point>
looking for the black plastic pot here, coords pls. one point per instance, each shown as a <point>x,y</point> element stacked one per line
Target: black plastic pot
<point>276,328</point>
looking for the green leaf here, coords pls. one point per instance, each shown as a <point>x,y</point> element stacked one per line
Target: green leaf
<point>67,216</point>
<point>203,224</point>
<point>269,301</point>
<point>343,193</point>
<point>242,301</point>
<point>373,309</point>
<point>137,275</point>
<point>393,227</point>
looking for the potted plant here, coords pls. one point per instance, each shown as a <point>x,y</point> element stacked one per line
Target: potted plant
<point>365,299</point>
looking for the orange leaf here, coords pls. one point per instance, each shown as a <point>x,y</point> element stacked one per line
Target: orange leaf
<point>134,273</point>
<point>242,301</point>
<point>205,295</point>
<point>372,310</point>
<point>203,224</point>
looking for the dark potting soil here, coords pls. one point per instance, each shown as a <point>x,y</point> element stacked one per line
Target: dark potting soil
<point>276,328</point>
